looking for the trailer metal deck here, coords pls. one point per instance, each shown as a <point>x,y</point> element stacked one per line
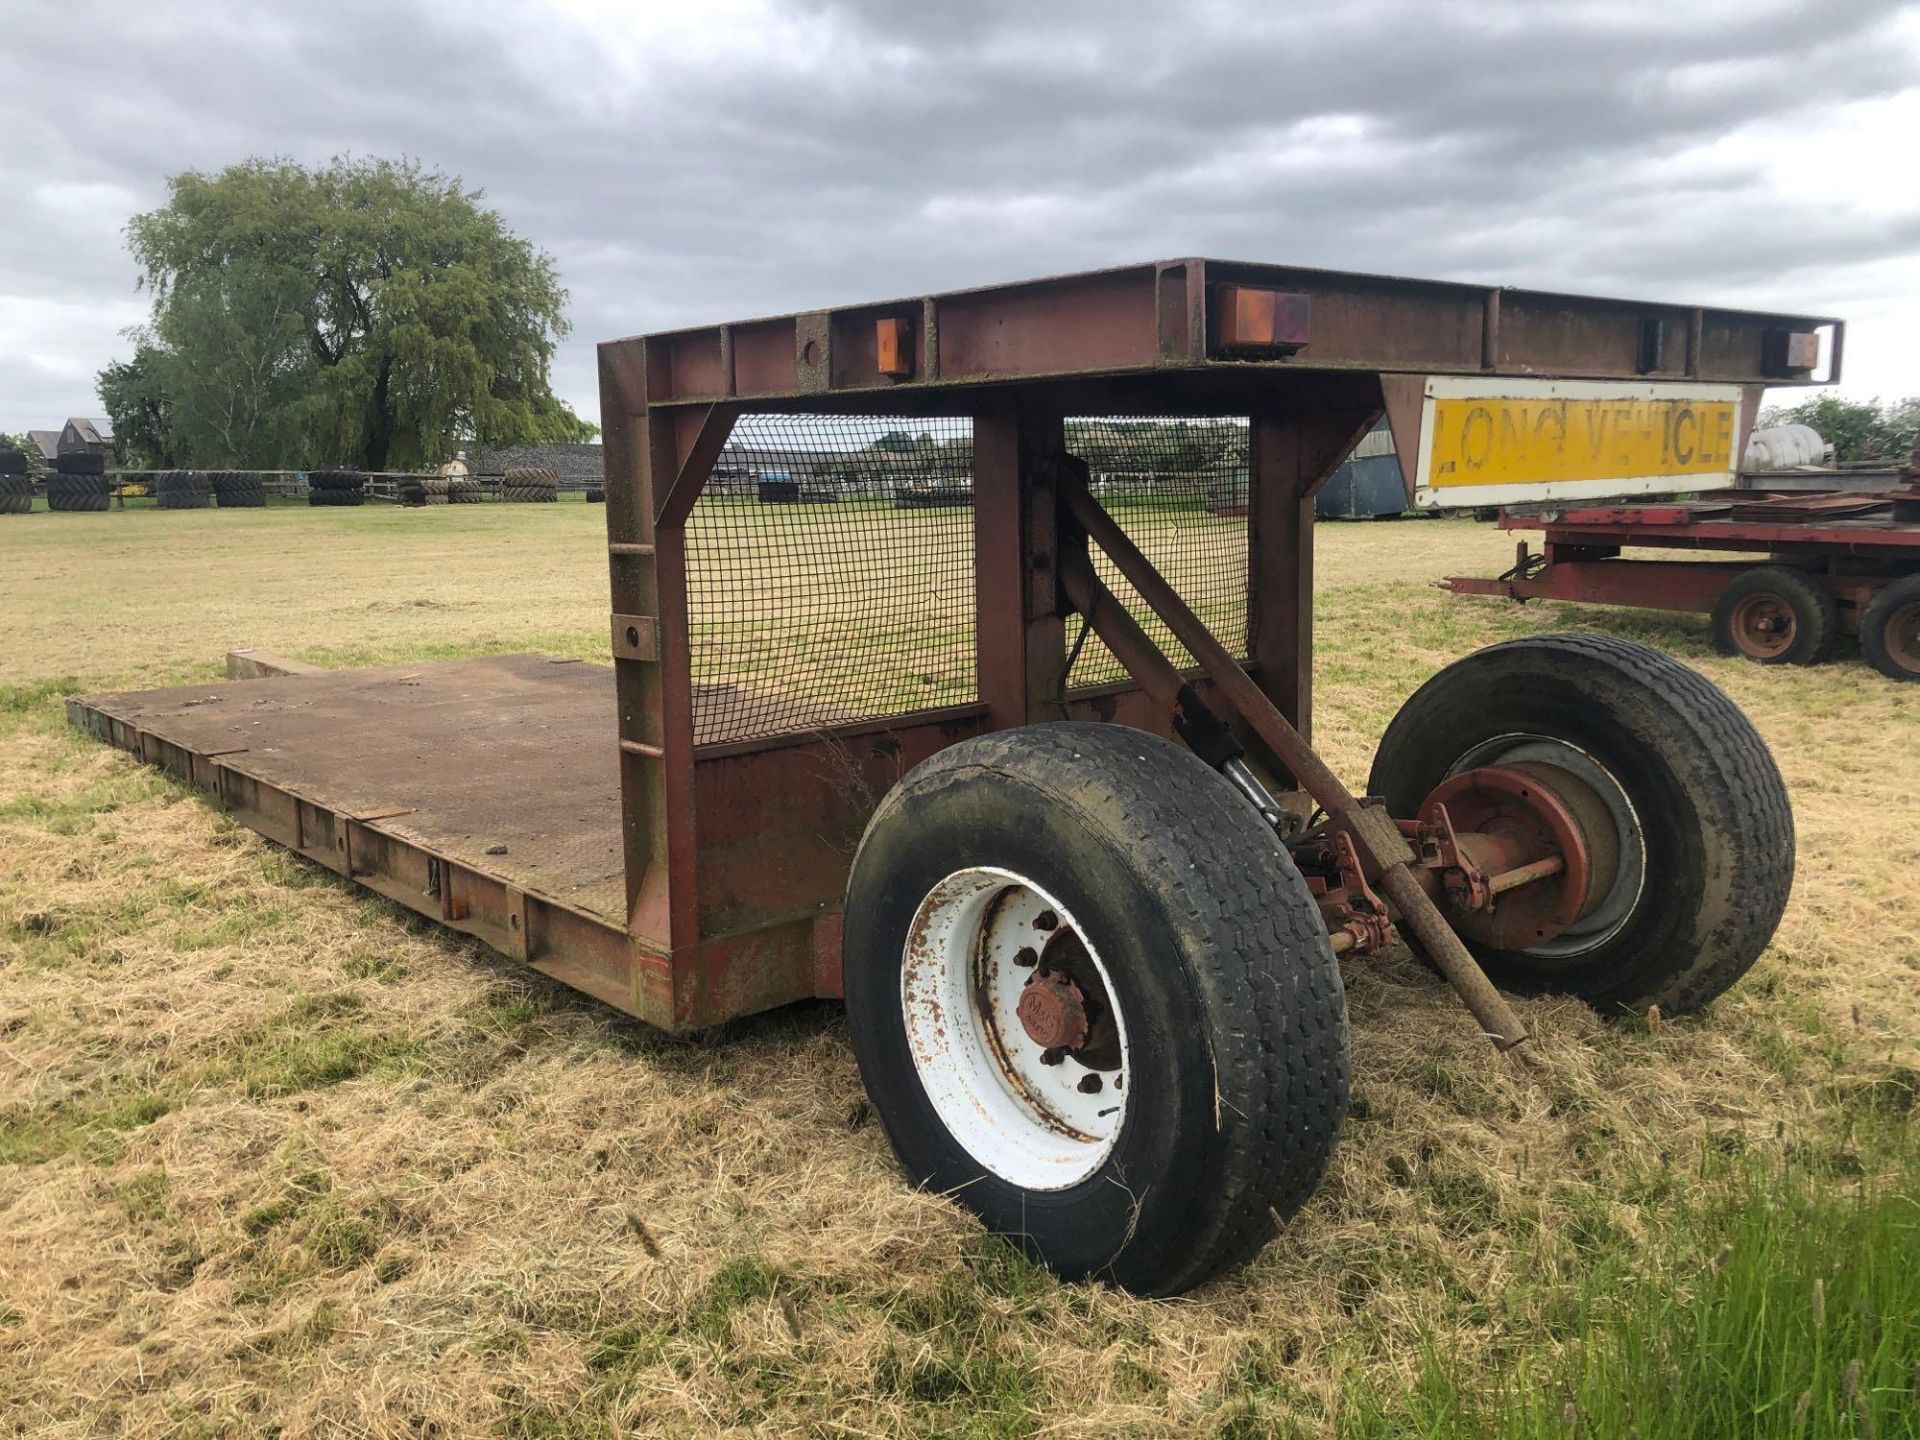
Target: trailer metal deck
<point>482,793</point>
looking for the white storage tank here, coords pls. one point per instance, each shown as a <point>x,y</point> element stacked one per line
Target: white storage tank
<point>1786,447</point>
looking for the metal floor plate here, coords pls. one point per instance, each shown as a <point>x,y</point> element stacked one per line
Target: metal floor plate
<point>508,764</point>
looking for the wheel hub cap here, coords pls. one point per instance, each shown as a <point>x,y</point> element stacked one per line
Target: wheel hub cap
<point>1539,790</point>
<point>1763,626</point>
<point>1054,1013</point>
<point>1903,637</point>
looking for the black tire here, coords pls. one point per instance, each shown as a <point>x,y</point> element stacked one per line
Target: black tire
<point>238,490</point>
<point>1220,967</point>
<point>12,462</point>
<point>596,495</point>
<point>80,463</point>
<point>71,493</point>
<point>464,492</point>
<point>1801,603</point>
<point>1890,630</point>
<point>237,495</point>
<point>16,494</point>
<point>1715,826</point>
<point>180,490</point>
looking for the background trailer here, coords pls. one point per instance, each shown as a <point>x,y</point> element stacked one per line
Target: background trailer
<point>1090,966</point>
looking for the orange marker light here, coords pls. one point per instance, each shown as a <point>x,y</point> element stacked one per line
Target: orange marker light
<point>894,346</point>
<point>1248,318</point>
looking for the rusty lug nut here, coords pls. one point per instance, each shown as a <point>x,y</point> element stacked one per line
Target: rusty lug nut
<point>1089,1085</point>
<point>1046,920</point>
<point>1027,957</point>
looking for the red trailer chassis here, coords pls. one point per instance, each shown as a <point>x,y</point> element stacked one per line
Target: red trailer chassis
<point>1091,974</point>
<point>734,850</point>
<point>1815,565</point>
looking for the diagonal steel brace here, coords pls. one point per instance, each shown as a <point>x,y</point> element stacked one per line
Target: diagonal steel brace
<point>1384,852</point>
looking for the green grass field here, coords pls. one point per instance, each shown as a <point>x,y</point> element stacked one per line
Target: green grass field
<point>278,1158</point>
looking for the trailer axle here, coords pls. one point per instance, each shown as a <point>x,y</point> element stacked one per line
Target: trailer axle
<point>1381,854</point>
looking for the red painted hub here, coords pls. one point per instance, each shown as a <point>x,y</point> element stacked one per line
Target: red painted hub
<point>1764,626</point>
<point>1053,1012</point>
<point>1506,816</point>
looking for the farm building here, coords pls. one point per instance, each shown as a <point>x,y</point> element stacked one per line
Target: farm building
<point>46,445</point>
<point>1367,483</point>
<point>81,436</point>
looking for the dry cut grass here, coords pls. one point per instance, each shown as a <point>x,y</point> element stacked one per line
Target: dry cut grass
<point>276,1157</point>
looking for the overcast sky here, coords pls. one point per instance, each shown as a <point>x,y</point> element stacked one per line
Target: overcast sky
<point>711,160</point>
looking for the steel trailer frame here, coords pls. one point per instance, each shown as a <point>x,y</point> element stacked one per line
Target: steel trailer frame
<point>736,854</point>
<point>1862,545</point>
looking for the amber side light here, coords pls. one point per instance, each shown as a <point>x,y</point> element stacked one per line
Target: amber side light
<point>893,344</point>
<point>1249,318</point>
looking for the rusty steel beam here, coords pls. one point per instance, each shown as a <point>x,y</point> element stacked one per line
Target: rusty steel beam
<point>1190,314</point>
<point>1652,584</point>
<point>1856,537</point>
<point>1379,841</point>
<point>1019,636</point>
<point>1289,460</point>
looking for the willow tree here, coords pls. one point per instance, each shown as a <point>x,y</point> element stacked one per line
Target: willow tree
<point>366,311</point>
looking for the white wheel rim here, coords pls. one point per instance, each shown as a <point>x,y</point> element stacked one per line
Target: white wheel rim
<point>1038,1123</point>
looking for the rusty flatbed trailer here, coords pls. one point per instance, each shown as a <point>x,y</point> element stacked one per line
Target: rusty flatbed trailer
<point>866,561</point>
<point>1834,563</point>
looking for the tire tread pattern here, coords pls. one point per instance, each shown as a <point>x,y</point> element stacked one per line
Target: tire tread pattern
<point>1745,798</point>
<point>1279,1041</point>
<point>1814,607</point>
<point>1873,626</point>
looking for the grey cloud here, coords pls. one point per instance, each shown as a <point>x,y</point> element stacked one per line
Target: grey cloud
<point>882,148</point>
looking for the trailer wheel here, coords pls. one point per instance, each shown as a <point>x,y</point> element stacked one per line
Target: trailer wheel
<point>1691,813</point>
<point>1890,630</point>
<point>1093,1001</point>
<point>1774,615</point>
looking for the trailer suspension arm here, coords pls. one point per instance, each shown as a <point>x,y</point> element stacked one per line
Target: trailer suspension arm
<point>1386,857</point>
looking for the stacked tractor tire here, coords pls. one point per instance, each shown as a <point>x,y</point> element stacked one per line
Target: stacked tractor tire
<point>424,490</point>
<point>532,485</point>
<point>180,490</point>
<point>239,490</point>
<point>78,482</point>
<point>336,487</point>
<point>463,490</point>
<point>16,485</point>
<point>597,494</point>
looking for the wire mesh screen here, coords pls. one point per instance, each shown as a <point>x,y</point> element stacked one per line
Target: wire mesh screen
<point>830,574</point>
<point>1179,489</point>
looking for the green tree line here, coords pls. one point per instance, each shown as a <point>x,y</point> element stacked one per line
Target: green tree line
<point>365,312</point>
<point>1857,429</point>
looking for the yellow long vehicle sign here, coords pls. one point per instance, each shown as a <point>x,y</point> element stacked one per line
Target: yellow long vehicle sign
<point>1504,441</point>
